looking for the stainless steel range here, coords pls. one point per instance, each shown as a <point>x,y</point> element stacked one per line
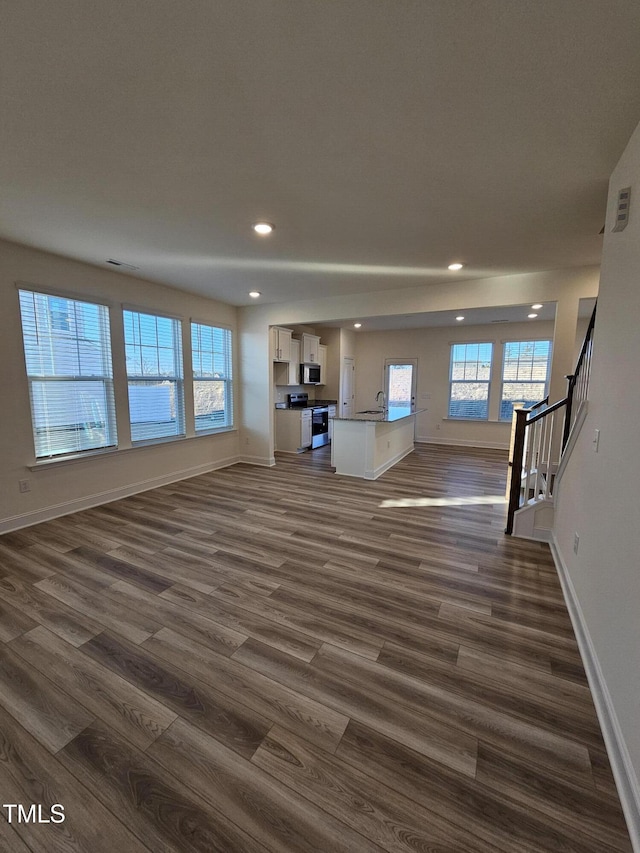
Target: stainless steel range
<point>319,417</point>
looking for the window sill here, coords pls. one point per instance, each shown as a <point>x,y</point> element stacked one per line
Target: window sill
<point>111,451</point>
<point>202,432</point>
<point>76,457</point>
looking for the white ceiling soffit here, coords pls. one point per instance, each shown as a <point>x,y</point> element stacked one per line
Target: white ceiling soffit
<point>472,317</point>
<point>383,139</point>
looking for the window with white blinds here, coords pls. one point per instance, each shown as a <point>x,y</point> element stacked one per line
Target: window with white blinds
<point>525,374</point>
<point>469,379</point>
<point>212,377</point>
<point>153,349</point>
<point>68,358</point>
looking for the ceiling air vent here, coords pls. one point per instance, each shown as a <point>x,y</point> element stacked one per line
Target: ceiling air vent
<point>622,210</point>
<point>121,264</point>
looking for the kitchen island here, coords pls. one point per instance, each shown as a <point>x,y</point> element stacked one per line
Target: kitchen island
<point>369,443</point>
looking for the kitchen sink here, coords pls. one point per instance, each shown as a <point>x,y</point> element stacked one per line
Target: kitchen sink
<point>371,412</point>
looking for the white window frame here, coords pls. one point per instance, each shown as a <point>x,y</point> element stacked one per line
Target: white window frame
<point>91,418</point>
<point>202,375</point>
<point>470,380</point>
<point>146,376</point>
<point>523,382</point>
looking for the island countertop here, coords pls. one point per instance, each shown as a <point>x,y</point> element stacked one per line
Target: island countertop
<point>379,417</point>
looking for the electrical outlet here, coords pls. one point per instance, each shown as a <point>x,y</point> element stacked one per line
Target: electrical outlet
<point>576,543</point>
<point>437,426</point>
<point>246,441</point>
<point>24,485</point>
<point>388,444</point>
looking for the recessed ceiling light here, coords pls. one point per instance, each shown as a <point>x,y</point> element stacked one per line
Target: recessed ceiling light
<point>532,316</point>
<point>254,294</point>
<point>460,317</point>
<point>455,267</point>
<point>536,306</point>
<point>357,325</point>
<point>263,227</point>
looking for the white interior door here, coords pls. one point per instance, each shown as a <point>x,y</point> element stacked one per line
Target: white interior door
<point>400,384</point>
<point>347,387</point>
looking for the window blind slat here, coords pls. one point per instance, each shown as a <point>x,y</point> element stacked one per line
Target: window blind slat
<point>212,377</point>
<point>68,358</point>
<point>153,352</point>
<point>469,378</point>
<point>525,374</point>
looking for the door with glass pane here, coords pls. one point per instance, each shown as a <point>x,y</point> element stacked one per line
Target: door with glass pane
<point>400,385</point>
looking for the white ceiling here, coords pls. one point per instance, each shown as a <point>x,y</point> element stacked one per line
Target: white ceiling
<point>472,317</point>
<point>384,138</point>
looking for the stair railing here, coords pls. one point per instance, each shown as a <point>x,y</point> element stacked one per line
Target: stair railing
<point>536,457</point>
<point>579,381</point>
<point>537,452</point>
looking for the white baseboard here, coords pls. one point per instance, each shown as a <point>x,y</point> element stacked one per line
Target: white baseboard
<point>17,522</point>
<point>374,473</point>
<point>460,442</point>
<point>377,472</point>
<point>265,461</point>
<point>621,765</point>
<point>540,534</point>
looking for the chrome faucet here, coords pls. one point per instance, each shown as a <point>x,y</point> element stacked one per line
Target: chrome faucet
<point>384,400</point>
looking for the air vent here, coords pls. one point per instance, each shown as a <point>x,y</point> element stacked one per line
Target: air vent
<point>622,210</point>
<point>121,264</point>
<point>499,321</point>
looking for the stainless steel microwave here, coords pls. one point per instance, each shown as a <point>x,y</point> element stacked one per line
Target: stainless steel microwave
<point>309,374</point>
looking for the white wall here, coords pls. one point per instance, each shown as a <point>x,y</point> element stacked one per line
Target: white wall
<point>65,486</point>
<point>431,348</point>
<point>598,495</point>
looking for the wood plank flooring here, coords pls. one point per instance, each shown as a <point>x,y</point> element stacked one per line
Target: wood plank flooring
<point>285,660</point>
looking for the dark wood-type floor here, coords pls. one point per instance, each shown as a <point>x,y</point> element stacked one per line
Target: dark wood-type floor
<point>285,660</point>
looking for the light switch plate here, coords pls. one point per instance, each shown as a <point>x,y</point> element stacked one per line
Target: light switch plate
<point>622,209</point>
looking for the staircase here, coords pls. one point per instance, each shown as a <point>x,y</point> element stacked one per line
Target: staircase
<point>543,438</point>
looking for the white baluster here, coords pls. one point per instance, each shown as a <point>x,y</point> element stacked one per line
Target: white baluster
<point>530,435</point>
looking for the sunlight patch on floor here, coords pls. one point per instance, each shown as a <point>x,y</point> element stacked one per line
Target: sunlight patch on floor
<point>458,501</point>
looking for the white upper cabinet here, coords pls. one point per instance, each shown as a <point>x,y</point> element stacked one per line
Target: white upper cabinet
<point>310,349</point>
<point>294,364</point>
<point>281,343</point>
<point>288,373</point>
<point>322,359</point>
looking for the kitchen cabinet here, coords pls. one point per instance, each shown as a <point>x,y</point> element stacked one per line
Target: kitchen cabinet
<point>294,364</point>
<point>288,373</point>
<point>293,430</point>
<point>368,445</point>
<point>322,360</point>
<point>305,429</point>
<point>310,349</point>
<point>281,343</point>
<point>332,414</point>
